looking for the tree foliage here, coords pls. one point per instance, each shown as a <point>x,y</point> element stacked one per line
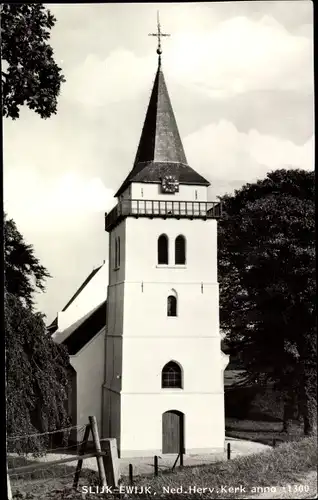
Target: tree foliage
<point>268,287</point>
<point>36,378</point>
<point>24,274</point>
<point>36,367</point>
<point>29,73</point>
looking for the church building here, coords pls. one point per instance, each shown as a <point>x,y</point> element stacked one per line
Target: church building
<point>143,335</point>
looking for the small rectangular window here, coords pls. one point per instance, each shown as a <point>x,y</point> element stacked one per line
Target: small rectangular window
<point>117,253</point>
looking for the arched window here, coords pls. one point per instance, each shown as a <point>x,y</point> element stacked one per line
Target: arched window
<point>163,249</point>
<point>180,250</point>
<point>172,305</point>
<point>171,376</point>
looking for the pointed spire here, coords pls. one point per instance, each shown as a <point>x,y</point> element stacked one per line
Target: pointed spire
<point>160,139</point>
<point>160,151</point>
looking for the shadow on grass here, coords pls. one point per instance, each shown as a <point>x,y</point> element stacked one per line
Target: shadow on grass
<point>270,438</point>
<point>47,478</point>
<point>252,431</point>
<point>261,430</point>
<point>259,416</point>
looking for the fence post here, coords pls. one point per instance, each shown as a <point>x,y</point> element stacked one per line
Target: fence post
<point>274,443</point>
<point>9,492</point>
<point>131,477</point>
<point>156,465</point>
<point>99,458</point>
<point>111,462</point>
<point>176,460</point>
<point>228,451</point>
<point>81,452</point>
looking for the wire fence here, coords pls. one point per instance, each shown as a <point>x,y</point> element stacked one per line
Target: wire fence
<point>35,472</point>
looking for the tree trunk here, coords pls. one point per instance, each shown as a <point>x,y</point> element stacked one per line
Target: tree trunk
<point>309,413</point>
<point>308,401</point>
<point>288,413</point>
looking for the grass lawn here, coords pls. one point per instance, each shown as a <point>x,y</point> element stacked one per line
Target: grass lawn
<point>252,415</point>
<point>262,431</point>
<point>285,464</point>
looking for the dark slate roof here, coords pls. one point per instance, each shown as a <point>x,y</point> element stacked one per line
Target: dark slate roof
<point>160,151</point>
<point>81,332</point>
<point>54,325</point>
<point>153,172</point>
<point>61,336</point>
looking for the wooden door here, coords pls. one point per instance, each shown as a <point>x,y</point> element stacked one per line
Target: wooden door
<point>172,432</point>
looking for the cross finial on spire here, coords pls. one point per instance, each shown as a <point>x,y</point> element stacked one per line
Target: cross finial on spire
<point>159,34</point>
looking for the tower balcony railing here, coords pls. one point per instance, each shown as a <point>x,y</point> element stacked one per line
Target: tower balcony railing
<point>164,209</point>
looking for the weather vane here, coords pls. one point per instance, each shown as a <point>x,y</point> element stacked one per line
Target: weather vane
<point>159,34</point>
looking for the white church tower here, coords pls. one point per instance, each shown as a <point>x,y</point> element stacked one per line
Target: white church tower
<point>163,387</point>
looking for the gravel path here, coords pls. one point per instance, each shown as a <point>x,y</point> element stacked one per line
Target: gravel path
<point>239,447</point>
<point>145,465</point>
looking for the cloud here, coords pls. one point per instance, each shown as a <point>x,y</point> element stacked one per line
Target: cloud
<point>97,81</point>
<point>224,155</point>
<point>244,55</point>
<point>53,205</point>
<point>64,222</point>
<point>237,79</point>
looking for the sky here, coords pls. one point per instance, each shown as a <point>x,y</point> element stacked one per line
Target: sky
<point>240,78</point>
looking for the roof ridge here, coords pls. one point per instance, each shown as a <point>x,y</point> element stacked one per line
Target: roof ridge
<point>81,288</point>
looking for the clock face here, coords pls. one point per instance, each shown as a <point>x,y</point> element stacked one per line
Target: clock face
<point>170,184</point>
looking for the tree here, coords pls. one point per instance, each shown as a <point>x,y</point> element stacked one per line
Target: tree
<point>267,284</point>
<point>36,378</point>
<point>29,73</point>
<point>36,367</point>
<point>24,274</point>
